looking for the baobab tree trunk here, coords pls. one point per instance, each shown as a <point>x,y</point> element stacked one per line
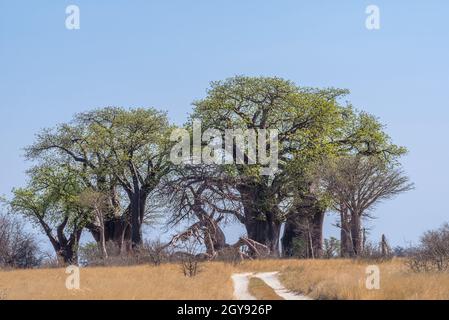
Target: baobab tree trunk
<point>138,203</point>
<point>356,234</point>
<point>215,239</point>
<point>67,250</point>
<point>262,224</point>
<point>67,256</point>
<point>346,249</point>
<point>136,232</point>
<point>305,224</point>
<point>265,231</point>
<point>317,232</point>
<point>290,233</point>
<point>116,230</point>
<point>296,241</point>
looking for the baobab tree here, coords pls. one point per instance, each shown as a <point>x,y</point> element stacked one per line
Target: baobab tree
<point>356,184</point>
<point>199,193</point>
<point>71,143</point>
<point>304,225</point>
<point>114,148</point>
<point>356,133</point>
<point>135,147</point>
<point>50,201</point>
<point>304,119</point>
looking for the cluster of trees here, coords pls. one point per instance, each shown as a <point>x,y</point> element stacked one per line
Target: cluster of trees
<point>108,171</point>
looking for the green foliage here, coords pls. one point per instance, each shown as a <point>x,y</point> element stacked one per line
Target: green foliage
<point>300,248</point>
<point>51,197</point>
<point>110,144</point>
<point>124,154</point>
<point>313,126</point>
<point>332,248</point>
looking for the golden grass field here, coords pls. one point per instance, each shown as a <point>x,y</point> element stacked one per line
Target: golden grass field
<point>318,279</point>
<point>345,279</point>
<point>118,283</point>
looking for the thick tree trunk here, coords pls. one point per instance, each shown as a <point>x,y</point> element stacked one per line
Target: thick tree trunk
<point>305,225</point>
<point>265,231</point>
<point>219,239</point>
<point>261,223</point>
<point>116,230</point>
<point>290,234</point>
<point>297,238</point>
<point>67,251</point>
<point>138,201</point>
<point>67,256</point>
<point>136,231</point>
<point>356,234</point>
<point>346,249</point>
<point>215,240</point>
<point>317,232</point>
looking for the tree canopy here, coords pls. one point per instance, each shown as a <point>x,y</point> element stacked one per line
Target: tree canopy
<point>103,170</point>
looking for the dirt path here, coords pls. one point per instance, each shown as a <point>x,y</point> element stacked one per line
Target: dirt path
<point>241,281</point>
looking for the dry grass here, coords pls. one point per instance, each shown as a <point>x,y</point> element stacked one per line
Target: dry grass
<point>259,289</point>
<point>319,279</point>
<point>345,279</point>
<point>118,283</point>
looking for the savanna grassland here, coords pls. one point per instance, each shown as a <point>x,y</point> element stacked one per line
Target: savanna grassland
<point>318,279</point>
<point>165,282</point>
<point>346,280</point>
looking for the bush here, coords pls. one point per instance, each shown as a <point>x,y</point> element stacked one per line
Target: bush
<point>373,252</point>
<point>300,248</point>
<point>189,258</point>
<point>18,249</point>
<point>230,255</point>
<point>432,253</point>
<point>331,248</point>
<point>151,252</point>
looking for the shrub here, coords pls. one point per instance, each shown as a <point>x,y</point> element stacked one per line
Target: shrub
<point>230,255</point>
<point>331,248</point>
<point>151,252</point>
<point>432,253</point>
<point>189,258</point>
<point>18,249</point>
<point>300,248</point>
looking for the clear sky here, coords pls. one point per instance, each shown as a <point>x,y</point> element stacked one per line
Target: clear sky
<point>165,53</point>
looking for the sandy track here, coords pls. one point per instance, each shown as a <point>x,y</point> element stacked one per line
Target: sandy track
<point>241,282</point>
<point>271,279</point>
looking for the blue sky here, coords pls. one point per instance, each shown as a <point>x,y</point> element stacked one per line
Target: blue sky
<point>164,54</point>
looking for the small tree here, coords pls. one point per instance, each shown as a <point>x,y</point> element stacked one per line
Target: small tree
<point>331,248</point>
<point>98,203</point>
